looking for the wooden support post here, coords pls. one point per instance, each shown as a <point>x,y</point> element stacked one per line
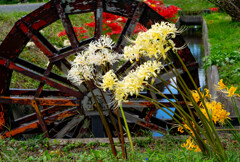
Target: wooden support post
<point>40,117</point>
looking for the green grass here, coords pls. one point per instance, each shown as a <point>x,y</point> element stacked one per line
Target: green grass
<point>224,42</point>
<point>190,5</point>
<point>148,149</point>
<point>9,2</point>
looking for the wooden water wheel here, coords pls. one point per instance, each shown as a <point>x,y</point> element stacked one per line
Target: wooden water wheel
<point>60,110</point>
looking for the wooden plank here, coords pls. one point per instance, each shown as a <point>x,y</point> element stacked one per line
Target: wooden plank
<point>67,24</point>
<point>130,26</point>
<point>84,128</point>
<point>143,123</point>
<point>31,92</point>
<point>74,122</point>
<point>40,101</point>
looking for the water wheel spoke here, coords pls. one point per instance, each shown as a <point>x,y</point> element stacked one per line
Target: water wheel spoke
<point>41,70</point>
<point>69,48</point>
<point>40,78</point>
<point>43,44</point>
<point>98,19</point>
<point>41,85</point>
<point>67,24</point>
<point>69,51</point>
<point>42,17</point>
<point>129,27</point>
<point>39,40</point>
<point>127,31</point>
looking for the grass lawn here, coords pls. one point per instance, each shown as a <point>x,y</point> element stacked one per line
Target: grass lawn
<point>190,5</point>
<point>9,2</point>
<point>224,42</point>
<point>148,149</point>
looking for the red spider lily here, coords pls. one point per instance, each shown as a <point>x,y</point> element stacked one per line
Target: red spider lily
<point>91,24</point>
<point>108,16</point>
<point>169,12</point>
<point>214,9</point>
<point>115,27</point>
<point>62,33</point>
<point>113,24</point>
<point>84,37</point>
<point>139,28</point>
<point>77,30</point>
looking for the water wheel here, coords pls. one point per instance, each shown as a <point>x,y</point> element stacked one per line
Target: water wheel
<point>61,110</point>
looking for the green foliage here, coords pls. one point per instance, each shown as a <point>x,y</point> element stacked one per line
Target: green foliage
<point>143,142</point>
<point>19,1</point>
<point>224,41</point>
<point>191,5</point>
<point>160,149</point>
<point>71,146</point>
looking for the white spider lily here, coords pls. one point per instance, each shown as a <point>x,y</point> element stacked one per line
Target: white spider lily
<point>98,53</point>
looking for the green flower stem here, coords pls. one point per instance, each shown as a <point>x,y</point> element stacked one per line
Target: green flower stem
<point>110,114</point>
<point>236,109</point>
<point>188,96</point>
<point>234,132</point>
<point>126,125</point>
<point>104,121</point>
<point>211,133</point>
<point>228,129</point>
<point>161,106</point>
<point>124,152</point>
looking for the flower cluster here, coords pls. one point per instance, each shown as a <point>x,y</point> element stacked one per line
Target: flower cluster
<point>168,12</point>
<point>153,43</point>
<point>98,53</point>
<point>133,83</point>
<point>230,91</point>
<point>79,32</point>
<point>214,9</point>
<point>190,145</point>
<point>113,24</point>
<point>216,111</point>
<point>211,110</point>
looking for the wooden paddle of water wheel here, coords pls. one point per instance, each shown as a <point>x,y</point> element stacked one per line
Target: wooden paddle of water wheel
<point>62,110</point>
